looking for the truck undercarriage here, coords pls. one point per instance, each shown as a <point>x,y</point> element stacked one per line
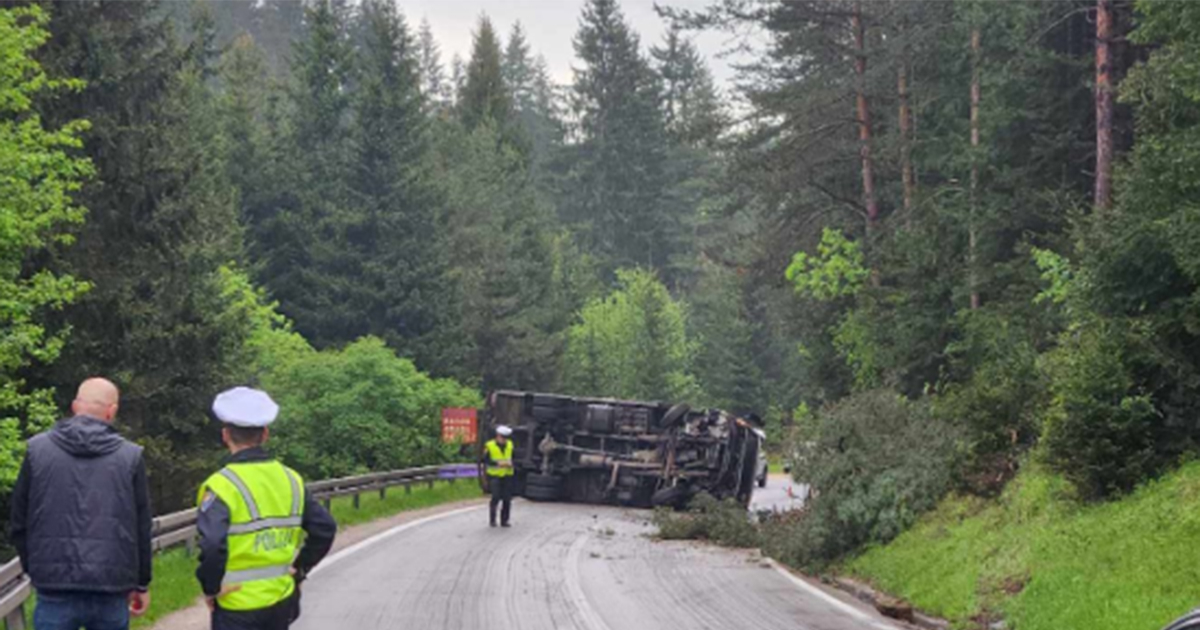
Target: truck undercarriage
<point>643,454</point>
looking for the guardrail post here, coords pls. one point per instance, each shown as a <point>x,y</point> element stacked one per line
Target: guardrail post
<point>16,619</point>
<point>383,493</point>
<point>190,545</point>
<point>430,484</point>
<point>407,487</point>
<point>356,500</point>
<point>327,502</point>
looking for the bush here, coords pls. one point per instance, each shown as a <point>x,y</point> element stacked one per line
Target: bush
<point>723,522</point>
<point>1103,432</point>
<point>359,409</point>
<point>996,391</point>
<point>878,462</point>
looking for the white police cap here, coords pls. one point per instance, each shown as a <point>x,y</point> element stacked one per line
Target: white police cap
<point>503,430</point>
<point>245,407</point>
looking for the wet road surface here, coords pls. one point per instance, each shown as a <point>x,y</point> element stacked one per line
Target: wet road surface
<point>562,566</point>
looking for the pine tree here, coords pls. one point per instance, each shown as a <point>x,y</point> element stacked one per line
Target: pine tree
<point>484,96</point>
<point>691,103</point>
<point>535,103</point>
<point>396,264</point>
<point>306,241</point>
<point>40,177</point>
<point>433,80</point>
<point>619,179</point>
<point>162,221</point>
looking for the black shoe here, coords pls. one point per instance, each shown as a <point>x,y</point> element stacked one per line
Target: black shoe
<point>505,525</point>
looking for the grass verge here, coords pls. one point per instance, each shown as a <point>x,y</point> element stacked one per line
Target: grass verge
<point>1042,561</point>
<point>175,587</point>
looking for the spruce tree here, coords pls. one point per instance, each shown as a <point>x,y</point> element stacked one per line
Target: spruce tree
<point>306,240</point>
<point>395,243</point>
<point>619,182</point>
<point>485,96</point>
<point>161,222</point>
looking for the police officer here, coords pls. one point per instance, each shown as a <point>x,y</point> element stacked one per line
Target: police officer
<point>252,512</point>
<point>497,455</point>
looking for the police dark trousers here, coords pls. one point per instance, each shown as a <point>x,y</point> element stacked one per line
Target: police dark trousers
<point>212,523</point>
<point>502,495</point>
<point>277,617</point>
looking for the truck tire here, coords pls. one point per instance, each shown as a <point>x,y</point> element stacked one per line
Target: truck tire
<point>539,487</point>
<point>674,415</point>
<point>672,496</point>
<point>762,481</point>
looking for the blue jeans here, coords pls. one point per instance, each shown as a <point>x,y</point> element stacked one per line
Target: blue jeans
<point>75,610</point>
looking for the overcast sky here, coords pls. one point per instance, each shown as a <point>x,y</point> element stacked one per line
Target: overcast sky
<point>550,26</point>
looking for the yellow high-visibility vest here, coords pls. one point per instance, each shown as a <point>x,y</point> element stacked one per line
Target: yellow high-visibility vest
<point>500,454</point>
<point>266,503</point>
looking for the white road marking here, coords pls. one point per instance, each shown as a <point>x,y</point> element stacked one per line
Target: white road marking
<point>384,535</point>
<point>591,620</point>
<point>830,599</point>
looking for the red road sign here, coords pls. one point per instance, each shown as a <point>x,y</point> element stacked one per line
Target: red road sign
<point>459,426</point>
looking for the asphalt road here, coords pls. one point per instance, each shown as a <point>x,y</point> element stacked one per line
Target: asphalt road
<point>560,567</point>
<point>781,494</point>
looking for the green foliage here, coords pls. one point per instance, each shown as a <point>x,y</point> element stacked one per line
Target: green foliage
<point>725,523</point>
<point>272,343</point>
<point>38,177</point>
<point>1042,561</point>
<point>1124,378</point>
<point>162,220</point>
<point>513,312</point>
<point>836,271</point>
<point>877,463</point>
<point>360,409</point>
<point>485,97</point>
<point>620,189</point>
<point>723,331</point>
<point>996,392</point>
<point>1102,431</point>
<point>632,344</point>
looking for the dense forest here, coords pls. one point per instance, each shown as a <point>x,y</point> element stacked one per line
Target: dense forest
<point>924,240</point>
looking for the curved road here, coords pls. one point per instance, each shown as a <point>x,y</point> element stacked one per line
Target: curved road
<point>561,566</point>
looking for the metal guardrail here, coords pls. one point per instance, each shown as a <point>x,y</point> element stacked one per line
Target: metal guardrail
<point>179,528</point>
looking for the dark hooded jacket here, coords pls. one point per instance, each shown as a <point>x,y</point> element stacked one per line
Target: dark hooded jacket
<point>81,515</point>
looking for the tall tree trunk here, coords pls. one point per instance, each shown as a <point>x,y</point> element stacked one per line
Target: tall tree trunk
<point>972,227</point>
<point>864,118</point>
<point>1104,104</point>
<point>906,166</point>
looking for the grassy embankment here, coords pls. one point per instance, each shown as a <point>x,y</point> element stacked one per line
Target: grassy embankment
<point>175,585</point>
<point>1043,561</point>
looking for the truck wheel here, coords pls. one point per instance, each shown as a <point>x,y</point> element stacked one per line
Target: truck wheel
<point>762,481</point>
<point>539,487</point>
<point>672,496</point>
<point>674,415</point>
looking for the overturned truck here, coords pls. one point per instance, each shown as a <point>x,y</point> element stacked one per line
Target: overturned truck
<point>642,454</point>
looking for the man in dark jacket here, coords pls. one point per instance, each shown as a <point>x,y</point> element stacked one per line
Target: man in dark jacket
<point>81,518</point>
